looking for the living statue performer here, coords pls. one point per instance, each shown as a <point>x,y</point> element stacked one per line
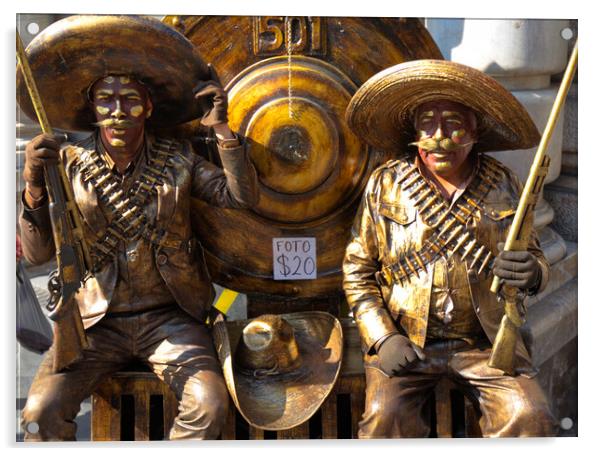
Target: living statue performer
<point>426,242</point>
<point>149,294</point>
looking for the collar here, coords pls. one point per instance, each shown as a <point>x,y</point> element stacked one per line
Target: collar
<point>104,154</point>
<point>460,189</point>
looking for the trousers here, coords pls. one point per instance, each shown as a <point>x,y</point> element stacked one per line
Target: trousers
<point>177,348</point>
<point>510,406</point>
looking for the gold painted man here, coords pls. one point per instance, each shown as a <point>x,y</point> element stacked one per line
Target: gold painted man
<point>425,245</point>
<point>150,293</point>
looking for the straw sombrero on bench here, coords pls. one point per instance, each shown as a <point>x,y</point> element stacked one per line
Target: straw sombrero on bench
<point>381,111</point>
<point>279,369</point>
<point>71,54</point>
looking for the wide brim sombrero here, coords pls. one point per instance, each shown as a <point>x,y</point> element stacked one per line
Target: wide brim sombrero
<point>381,111</point>
<point>71,54</point>
<point>283,401</point>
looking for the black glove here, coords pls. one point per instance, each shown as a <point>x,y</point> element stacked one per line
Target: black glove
<point>397,354</point>
<point>41,149</point>
<point>519,269</point>
<point>213,99</point>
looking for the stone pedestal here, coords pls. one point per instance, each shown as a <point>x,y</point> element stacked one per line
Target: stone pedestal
<point>522,54</point>
<point>562,193</point>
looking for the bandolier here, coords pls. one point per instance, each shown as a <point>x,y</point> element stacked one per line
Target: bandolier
<point>449,224</point>
<point>128,221</point>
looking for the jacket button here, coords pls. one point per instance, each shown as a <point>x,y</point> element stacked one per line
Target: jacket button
<point>161,259</point>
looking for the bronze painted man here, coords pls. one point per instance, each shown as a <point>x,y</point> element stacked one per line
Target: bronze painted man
<point>150,293</point>
<point>426,243</point>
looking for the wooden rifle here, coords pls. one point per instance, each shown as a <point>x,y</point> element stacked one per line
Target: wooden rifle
<point>504,347</point>
<point>73,259</point>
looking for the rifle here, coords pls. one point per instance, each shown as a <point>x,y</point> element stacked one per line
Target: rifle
<point>503,351</point>
<point>73,259</point>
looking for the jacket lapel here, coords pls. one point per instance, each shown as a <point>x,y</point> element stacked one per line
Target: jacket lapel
<point>85,195</point>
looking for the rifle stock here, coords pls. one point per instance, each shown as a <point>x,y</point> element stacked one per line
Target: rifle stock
<point>69,336</point>
<point>503,352</point>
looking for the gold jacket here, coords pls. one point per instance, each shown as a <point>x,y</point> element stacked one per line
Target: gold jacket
<point>387,227</point>
<point>183,269</point>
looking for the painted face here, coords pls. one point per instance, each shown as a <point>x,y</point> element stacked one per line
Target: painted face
<point>445,133</point>
<point>121,106</point>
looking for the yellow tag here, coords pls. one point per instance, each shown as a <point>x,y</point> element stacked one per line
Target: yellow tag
<point>225,300</point>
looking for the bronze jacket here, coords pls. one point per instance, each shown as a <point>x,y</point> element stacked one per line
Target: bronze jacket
<point>183,269</point>
<point>387,227</point>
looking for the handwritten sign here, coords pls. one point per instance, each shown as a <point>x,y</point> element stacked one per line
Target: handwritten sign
<point>294,258</point>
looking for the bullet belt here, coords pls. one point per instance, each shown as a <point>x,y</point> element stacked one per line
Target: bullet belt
<point>129,221</point>
<point>449,224</point>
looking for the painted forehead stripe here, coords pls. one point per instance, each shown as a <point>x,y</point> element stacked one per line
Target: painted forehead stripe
<point>427,113</point>
<point>129,92</point>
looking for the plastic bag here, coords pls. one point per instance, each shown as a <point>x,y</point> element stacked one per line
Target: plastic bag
<point>33,329</point>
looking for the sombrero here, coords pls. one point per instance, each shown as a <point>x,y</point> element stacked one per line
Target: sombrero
<point>71,54</point>
<point>279,369</point>
<point>381,111</point>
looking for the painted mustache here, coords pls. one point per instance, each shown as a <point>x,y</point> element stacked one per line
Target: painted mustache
<point>114,123</point>
<point>433,145</point>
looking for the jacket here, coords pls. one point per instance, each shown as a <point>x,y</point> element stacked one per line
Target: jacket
<point>183,269</point>
<point>387,226</point>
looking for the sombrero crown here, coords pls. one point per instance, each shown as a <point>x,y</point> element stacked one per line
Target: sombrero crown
<point>71,54</point>
<point>381,111</point>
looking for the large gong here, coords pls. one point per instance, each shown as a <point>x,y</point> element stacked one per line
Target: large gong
<point>289,80</point>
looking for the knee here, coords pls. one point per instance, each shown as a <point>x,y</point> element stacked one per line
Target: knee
<point>521,416</point>
<point>537,419</point>
<point>213,407</point>
<point>43,419</point>
<point>395,416</point>
<point>382,408</point>
<point>203,410</point>
<point>379,419</point>
<point>39,409</point>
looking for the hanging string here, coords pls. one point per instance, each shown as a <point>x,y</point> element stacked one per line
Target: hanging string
<point>289,49</point>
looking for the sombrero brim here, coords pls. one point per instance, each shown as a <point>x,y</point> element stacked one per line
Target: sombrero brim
<point>381,111</point>
<point>284,401</point>
<point>71,54</point>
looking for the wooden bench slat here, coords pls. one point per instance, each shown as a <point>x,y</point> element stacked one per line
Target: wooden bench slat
<point>329,417</point>
<point>106,409</point>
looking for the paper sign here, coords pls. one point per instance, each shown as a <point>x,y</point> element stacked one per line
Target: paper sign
<point>294,258</point>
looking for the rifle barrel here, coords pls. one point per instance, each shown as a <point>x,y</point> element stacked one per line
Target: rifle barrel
<point>36,101</point>
<point>32,88</point>
<point>517,222</point>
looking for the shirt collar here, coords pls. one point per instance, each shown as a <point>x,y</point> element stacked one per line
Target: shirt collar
<point>104,154</point>
<point>462,187</point>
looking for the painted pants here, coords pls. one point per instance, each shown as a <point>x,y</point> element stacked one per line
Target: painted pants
<point>510,406</point>
<point>177,348</point>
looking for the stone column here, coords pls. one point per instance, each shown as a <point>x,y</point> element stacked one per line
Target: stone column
<point>522,55</point>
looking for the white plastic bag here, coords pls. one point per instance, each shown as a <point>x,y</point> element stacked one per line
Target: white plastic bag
<point>33,329</point>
